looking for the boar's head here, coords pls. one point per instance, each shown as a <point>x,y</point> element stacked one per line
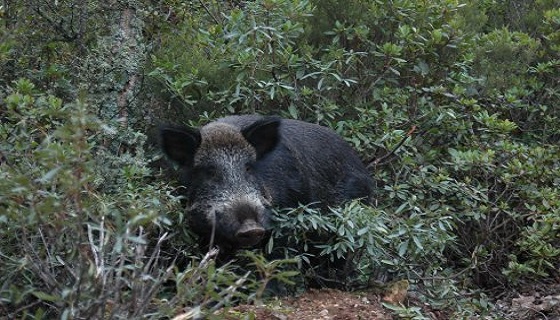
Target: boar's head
<point>226,201</point>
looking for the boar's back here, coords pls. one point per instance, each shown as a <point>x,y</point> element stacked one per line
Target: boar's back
<point>310,164</point>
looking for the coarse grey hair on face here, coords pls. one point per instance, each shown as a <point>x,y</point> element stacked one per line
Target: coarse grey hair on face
<point>224,147</point>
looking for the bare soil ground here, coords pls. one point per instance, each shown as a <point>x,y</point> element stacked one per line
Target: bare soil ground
<point>324,304</point>
<point>532,303</point>
<point>535,302</point>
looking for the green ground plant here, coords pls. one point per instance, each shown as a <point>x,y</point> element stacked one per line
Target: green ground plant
<point>453,105</point>
<point>85,229</point>
<point>77,220</point>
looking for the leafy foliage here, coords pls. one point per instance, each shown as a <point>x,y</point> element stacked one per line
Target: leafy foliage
<point>85,229</point>
<point>69,242</point>
<point>454,107</point>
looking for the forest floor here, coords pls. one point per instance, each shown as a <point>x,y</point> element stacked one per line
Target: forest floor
<point>536,302</point>
<point>320,304</point>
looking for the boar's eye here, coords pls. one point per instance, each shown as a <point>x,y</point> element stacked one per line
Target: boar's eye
<point>206,172</point>
<point>249,166</point>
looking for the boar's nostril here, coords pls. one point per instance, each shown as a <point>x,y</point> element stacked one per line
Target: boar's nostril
<point>249,234</point>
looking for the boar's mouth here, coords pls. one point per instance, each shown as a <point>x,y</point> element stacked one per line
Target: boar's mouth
<point>249,234</point>
<point>241,225</point>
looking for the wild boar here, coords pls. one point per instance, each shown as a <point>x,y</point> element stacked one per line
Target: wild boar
<point>237,168</point>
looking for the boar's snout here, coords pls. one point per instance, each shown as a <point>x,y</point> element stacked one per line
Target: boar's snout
<point>249,233</point>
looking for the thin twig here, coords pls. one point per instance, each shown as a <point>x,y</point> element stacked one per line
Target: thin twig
<point>229,292</point>
<point>209,13</point>
<point>376,162</point>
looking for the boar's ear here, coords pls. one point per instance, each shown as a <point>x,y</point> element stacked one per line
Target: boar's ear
<point>263,135</point>
<point>180,144</point>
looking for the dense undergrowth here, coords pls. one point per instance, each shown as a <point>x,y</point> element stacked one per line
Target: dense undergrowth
<point>454,106</point>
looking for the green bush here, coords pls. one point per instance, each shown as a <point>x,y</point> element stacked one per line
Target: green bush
<point>85,226</point>
<point>503,58</point>
<point>457,119</point>
<point>453,106</point>
<point>76,219</point>
<point>368,240</point>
